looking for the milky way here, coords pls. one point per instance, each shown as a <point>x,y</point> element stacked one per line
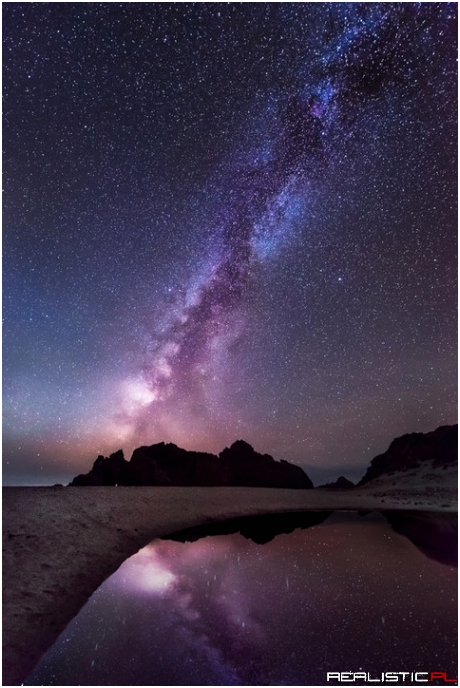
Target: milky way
<point>227,221</point>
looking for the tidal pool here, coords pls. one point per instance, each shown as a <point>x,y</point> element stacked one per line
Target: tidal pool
<point>349,594</point>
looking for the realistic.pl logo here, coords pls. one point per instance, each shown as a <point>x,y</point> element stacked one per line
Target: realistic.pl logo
<point>390,677</point>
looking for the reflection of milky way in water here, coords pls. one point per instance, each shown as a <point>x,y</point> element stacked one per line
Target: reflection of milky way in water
<point>348,595</point>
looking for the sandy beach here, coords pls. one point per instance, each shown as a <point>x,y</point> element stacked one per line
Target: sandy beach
<point>60,544</point>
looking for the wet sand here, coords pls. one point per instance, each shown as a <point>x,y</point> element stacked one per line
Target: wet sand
<point>60,544</point>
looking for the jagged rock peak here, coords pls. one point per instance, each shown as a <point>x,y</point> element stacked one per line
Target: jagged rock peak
<point>341,483</point>
<point>241,445</point>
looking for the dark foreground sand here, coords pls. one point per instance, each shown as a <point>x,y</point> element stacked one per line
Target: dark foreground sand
<point>60,544</point>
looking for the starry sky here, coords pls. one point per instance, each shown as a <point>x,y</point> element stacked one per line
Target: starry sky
<point>349,595</point>
<point>227,221</point>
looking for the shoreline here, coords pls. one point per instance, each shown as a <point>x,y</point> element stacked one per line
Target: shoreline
<point>60,544</point>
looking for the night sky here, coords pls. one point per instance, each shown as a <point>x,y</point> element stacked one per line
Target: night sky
<point>227,221</point>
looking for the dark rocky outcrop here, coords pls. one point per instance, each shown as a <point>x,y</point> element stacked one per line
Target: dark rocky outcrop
<point>246,468</point>
<point>166,464</point>
<point>341,483</point>
<point>410,451</point>
<point>110,470</point>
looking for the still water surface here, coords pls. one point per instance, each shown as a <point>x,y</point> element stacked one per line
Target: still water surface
<point>350,594</point>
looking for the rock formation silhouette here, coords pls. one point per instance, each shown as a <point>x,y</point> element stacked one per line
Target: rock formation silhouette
<point>341,483</point>
<point>409,451</point>
<point>166,464</point>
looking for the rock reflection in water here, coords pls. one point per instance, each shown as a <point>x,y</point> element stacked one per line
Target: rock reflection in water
<point>349,594</point>
<point>436,535</point>
<point>260,529</point>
